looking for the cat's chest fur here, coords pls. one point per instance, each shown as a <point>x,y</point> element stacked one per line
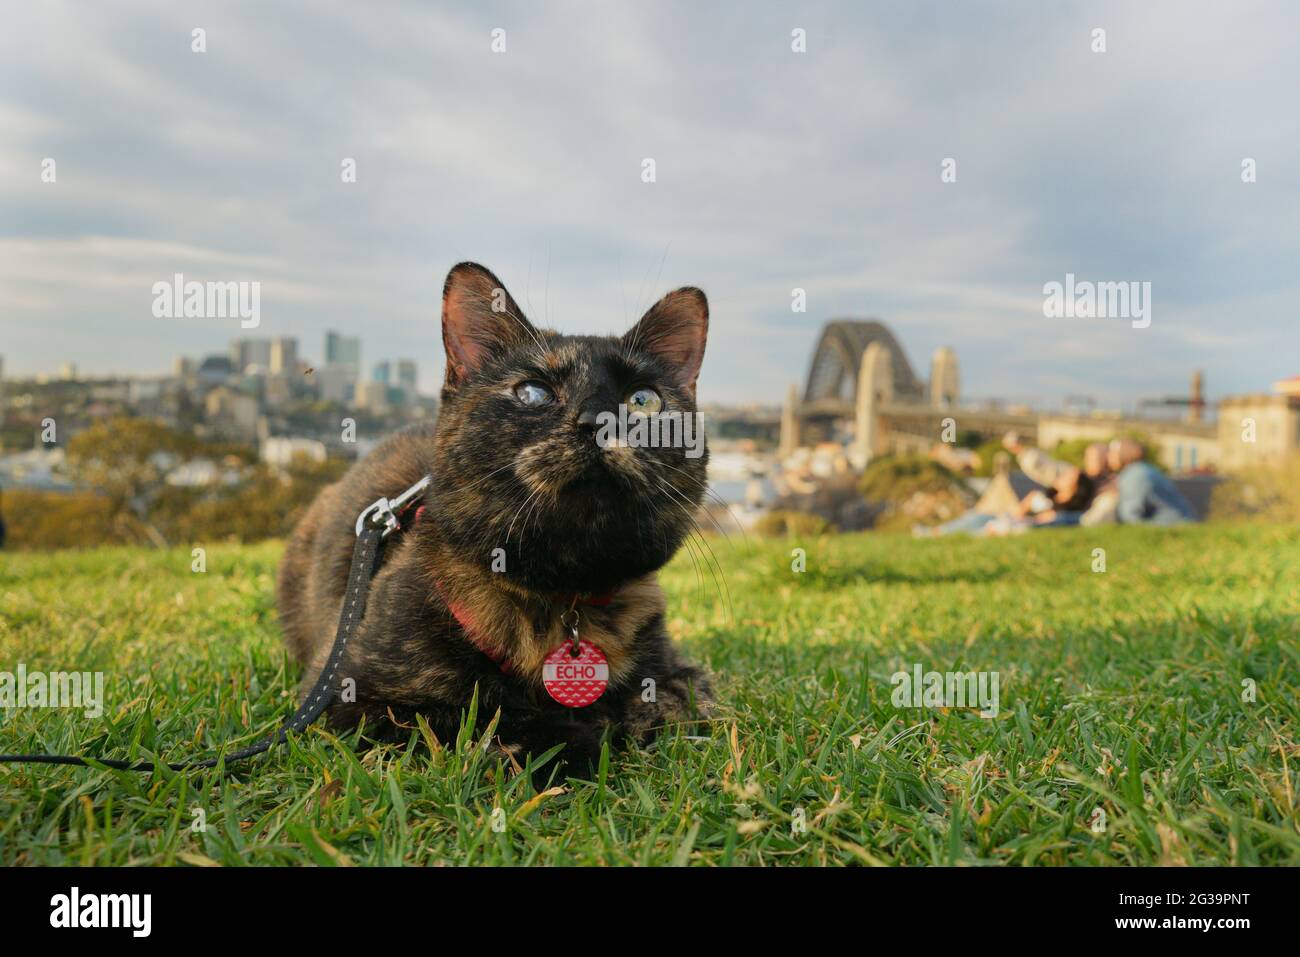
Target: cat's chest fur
<point>520,629</point>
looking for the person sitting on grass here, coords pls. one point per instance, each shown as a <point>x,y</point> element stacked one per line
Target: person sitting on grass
<point>1137,493</point>
<point>1034,462</point>
<point>1062,504</point>
<point>1097,462</point>
<point>1143,494</point>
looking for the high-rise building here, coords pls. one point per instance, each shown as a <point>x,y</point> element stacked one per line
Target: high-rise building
<point>371,396</point>
<point>284,355</point>
<point>336,383</point>
<point>399,375</point>
<point>343,350</point>
<point>250,352</point>
<point>407,375</point>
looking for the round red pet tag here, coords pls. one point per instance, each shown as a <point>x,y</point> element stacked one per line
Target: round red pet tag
<point>575,681</point>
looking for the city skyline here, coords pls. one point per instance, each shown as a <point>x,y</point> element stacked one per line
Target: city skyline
<point>772,174</point>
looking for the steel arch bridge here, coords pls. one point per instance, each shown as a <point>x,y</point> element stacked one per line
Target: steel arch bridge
<point>833,374</point>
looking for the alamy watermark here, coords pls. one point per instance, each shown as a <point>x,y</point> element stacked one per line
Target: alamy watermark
<point>74,909</point>
<point>1085,299</point>
<point>672,429</point>
<point>53,689</point>
<point>946,689</point>
<point>179,299</point>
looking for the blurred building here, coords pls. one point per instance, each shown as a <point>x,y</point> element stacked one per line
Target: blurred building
<point>250,352</point>
<point>284,356</point>
<point>372,397</point>
<point>341,350</point>
<point>281,451</point>
<point>400,376</point>
<point>214,370</point>
<point>336,383</point>
<point>39,469</point>
<point>408,373</point>
<point>1261,430</point>
<point>1288,386</point>
<point>279,389</point>
<point>232,413</point>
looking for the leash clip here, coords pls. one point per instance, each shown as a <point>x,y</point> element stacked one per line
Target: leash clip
<point>384,512</point>
<point>569,622</point>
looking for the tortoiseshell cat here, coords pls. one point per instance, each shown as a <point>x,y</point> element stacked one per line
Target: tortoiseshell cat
<point>516,466</point>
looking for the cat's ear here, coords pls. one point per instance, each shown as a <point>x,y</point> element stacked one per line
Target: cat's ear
<point>673,330</point>
<point>479,321</point>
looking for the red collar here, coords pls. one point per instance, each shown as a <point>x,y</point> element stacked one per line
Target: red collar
<point>489,647</point>
<point>486,645</point>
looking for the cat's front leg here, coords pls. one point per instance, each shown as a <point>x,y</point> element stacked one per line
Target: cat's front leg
<point>533,731</point>
<point>679,694</point>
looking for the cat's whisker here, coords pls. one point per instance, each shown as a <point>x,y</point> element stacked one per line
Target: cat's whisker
<point>699,576</point>
<point>483,478</point>
<point>523,530</point>
<point>687,508</point>
<point>707,491</point>
<point>717,498</point>
<point>519,498</point>
<point>719,577</point>
<point>536,491</point>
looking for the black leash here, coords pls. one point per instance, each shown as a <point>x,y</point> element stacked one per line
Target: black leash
<point>373,526</point>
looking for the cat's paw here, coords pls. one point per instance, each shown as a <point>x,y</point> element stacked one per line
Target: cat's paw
<point>682,698</point>
<point>581,742</point>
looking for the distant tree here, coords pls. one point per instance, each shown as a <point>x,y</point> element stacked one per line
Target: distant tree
<point>786,522</point>
<point>127,460</point>
<point>266,505</point>
<point>988,452</point>
<point>896,477</point>
<point>912,489</point>
<point>49,520</point>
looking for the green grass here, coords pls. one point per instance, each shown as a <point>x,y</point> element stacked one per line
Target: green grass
<point>1120,690</point>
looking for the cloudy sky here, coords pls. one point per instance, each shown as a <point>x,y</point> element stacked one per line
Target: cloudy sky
<point>774,170</point>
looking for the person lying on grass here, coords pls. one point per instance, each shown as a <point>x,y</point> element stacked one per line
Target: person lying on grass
<point>1061,504</point>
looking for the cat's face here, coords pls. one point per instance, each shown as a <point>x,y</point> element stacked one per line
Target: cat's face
<point>526,463</point>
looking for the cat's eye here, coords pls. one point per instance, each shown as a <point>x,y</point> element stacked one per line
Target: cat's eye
<point>532,393</point>
<point>644,402</point>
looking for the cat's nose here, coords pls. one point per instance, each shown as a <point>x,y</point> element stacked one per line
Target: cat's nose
<point>587,423</point>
